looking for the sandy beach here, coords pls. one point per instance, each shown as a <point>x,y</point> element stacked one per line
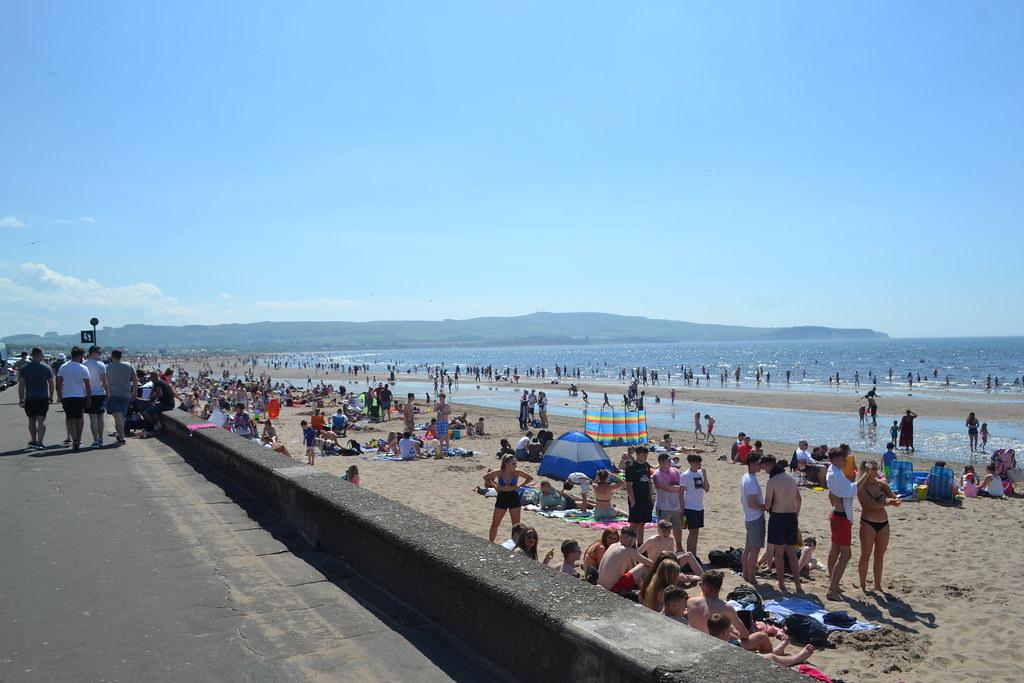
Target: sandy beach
<point>946,610</point>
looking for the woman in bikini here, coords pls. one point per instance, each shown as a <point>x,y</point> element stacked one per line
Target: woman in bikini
<point>506,482</point>
<point>592,558</point>
<point>874,496</point>
<point>604,486</point>
<point>972,431</point>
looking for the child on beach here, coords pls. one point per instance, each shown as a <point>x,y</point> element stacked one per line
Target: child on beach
<point>861,410</point>
<point>698,430</point>
<point>309,439</point>
<point>984,435</point>
<point>351,475</point>
<point>710,438</point>
<point>894,431</point>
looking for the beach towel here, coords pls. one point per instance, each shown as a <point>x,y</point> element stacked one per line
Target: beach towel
<point>940,483</point>
<point>902,482</point>
<point>783,608</point>
<point>388,458</point>
<point>202,425</point>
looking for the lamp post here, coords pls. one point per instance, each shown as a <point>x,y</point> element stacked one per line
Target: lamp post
<point>94,322</point>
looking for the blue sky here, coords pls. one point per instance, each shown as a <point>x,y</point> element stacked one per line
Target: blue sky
<point>751,163</point>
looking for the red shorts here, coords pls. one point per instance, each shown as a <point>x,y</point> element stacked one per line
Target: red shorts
<point>842,529</point>
<point>625,584</point>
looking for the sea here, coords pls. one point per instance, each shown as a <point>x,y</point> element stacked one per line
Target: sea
<point>974,369</point>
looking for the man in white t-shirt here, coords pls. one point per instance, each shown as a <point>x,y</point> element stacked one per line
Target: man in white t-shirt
<point>752,501</point>
<point>806,463</point>
<point>73,391</point>
<point>94,406</point>
<point>522,445</point>
<point>408,447</point>
<point>694,484</point>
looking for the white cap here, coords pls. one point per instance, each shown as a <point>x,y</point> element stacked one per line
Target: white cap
<point>61,356</point>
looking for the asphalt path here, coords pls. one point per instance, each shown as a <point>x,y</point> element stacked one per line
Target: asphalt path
<point>137,563</point>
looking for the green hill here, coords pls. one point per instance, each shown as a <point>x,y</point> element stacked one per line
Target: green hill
<point>536,328</point>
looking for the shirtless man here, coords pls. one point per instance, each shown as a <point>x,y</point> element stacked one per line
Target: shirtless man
<point>664,543</point>
<point>720,627</point>
<point>699,610</point>
<point>622,567</point>
<point>409,413</point>
<point>443,411</point>
<point>782,500</point>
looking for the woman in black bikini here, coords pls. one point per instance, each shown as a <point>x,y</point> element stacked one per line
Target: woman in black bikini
<point>506,481</point>
<point>874,496</point>
<point>972,431</point>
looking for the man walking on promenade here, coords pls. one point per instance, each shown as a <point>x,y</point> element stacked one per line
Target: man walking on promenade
<point>94,406</point>
<point>73,391</point>
<point>35,394</point>
<point>841,493</point>
<point>122,388</point>
<point>782,500</point>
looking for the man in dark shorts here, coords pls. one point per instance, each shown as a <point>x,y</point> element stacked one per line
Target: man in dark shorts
<point>782,500</point>
<point>162,397</point>
<point>35,394</point>
<point>122,388</point>
<point>640,493</point>
<point>74,391</point>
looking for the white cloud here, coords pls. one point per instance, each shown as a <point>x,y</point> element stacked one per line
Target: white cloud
<point>11,222</point>
<point>75,221</point>
<point>36,298</point>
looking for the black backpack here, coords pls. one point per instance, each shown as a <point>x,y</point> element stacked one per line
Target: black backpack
<point>804,629</point>
<point>726,559</point>
<point>748,597</point>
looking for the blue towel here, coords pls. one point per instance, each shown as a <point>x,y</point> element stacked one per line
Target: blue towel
<point>783,608</point>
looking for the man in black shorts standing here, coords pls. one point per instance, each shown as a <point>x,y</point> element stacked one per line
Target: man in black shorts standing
<point>782,500</point>
<point>74,391</point>
<point>35,394</point>
<point>639,492</point>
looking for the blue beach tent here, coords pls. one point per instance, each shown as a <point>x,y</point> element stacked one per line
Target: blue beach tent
<point>573,452</point>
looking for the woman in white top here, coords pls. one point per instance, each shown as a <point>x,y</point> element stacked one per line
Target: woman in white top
<point>991,485</point>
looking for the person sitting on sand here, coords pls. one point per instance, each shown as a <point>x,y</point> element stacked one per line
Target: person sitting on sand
<point>666,574</point>
<point>992,485</point>
<point>720,627</point>
<point>604,487</point>
<point>431,433</point>
<point>528,546</point>
<point>408,447</point>
<point>391,445</point>
<point>514,536</point>
<point>571,554</point>
<point>550,499</point>
<point>969,482</point>
<point>806,562</point>
<point>674,604</point>
<point>269,434</point>
<point>505,449</point>
<point>699,610</point>
<point>351,475</point>
<point>584,482</point>
<point>478,428</point>
<point>592,558</point>
<point>662,544</point>
<point>666,443</point>
<point>622,566</point>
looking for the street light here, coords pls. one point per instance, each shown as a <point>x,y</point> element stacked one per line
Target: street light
<point>94,322</point>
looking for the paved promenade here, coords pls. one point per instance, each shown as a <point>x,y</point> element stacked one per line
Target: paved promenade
<point>135,563</point>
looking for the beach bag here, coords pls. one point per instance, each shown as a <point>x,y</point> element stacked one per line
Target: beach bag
<point>804,629</point>
<point>529,496</point>
<point>1007,488</point>
<point>747,596</point>
<point>727,559</point>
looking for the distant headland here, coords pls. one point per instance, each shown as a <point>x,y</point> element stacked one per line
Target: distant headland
<point>534,329</point>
